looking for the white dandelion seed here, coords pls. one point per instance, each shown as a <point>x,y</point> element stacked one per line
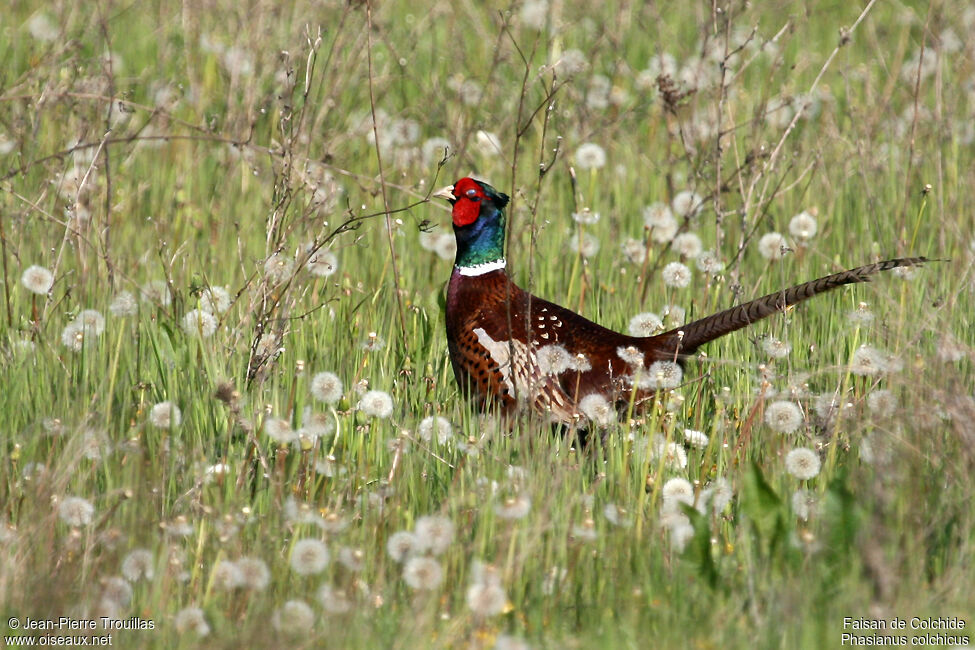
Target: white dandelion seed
<point>376,403</point>
<point>687,203</point>
<point>165,415</point>
<point>279,430</point>
<point>772,246</point>
<point>37,279</point>
<point>553,359</point>
<point>687,244</point>
<point>802,463</point>
<point>294,617</point>
<point>401,545</point>
<point>630,355</point>
<point>584,244</point>
<point>138,564</point>
<point>664,375</point>
<point>278,268</point>
<point>598,409</point>
<point>803,226</point>
<point>676,275</point>
<point>76,511</point>
<point>322,263</point>
<point>695,438</point>
<point>435,425</point>
<point>254,573</point>
<point>676,491</point>
<point>433,533</point>
<point>75,338</point>
<point>673,454</point>
<point>709,263</point>
<point>191,619</point>
<point>422,573</point>
<point>92,321</point>
<point>515,507</point>
<point>226,575</point>
<point>326,387</point>
<point>215,300</point>
<point>309,556</point>
<point>445,246</point>
<point>721,494</point>
<point>489,144</point>
<point>659,218</point>
<point>156,292</point>
<point>123,304</point>
<point>882,402</point>
<point>645,324</point>
<point>804,504</point>
<point>867,361</point>
<point>585,216</point>
<point>634,251</point>
<point>334,600</point>
<point>783,416</point>
<point>776,348</point>
<point>200,322</point>
<point>590,156</point>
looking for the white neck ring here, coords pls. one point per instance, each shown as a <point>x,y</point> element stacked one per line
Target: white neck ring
<point>481,269</point>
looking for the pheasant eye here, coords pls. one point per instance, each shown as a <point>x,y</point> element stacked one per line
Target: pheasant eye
<point>471,193</point>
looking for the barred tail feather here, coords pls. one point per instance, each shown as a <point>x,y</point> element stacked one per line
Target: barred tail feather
<point>686,339</point>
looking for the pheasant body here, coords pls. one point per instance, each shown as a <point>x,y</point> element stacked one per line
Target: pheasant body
<point>509,348</point>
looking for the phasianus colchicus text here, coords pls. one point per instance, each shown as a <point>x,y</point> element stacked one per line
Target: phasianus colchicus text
<point>509,348</point>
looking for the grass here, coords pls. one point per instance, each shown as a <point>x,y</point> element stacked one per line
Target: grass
<point>213,140</point>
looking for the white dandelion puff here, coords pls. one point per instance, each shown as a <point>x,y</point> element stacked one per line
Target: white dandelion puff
<point>687,203</point>
<point>687,244</point>
<point>294,618</point>
<point>376,403</point>
<point>200,322</point>
<point>326,387</point>
<point>309,556</point>
<point>435,425</point>
<point>645,324</point>
<point>676,275</point>
<point>165,415</point>
<point>598,409</point>
<point>783,416</point>
<point>590,156</point>
<point>802,463</point>
<point>803,226</point>
<point>401,545</point>
<point>278,268</point>
<point>433,533</point>
<point>123,304</point>
<point>664,375</point>
<point>76,511</point>
<point>553,359</point>
<point>422,573</point>
<point>37,279</point>
<point>772,246</point>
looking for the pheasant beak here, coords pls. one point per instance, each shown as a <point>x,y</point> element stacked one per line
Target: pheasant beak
<point>446,193</point>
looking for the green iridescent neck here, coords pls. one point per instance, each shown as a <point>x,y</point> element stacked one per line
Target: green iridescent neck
<point>481,242</point>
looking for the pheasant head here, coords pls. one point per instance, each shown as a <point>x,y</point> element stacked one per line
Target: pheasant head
<point>478,216</point>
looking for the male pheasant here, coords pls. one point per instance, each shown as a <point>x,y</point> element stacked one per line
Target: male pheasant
<point>509,348</point>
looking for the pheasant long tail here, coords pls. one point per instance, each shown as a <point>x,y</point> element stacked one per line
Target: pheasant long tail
<point>685,340</point>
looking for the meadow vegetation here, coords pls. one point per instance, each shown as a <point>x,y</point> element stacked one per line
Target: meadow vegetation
<point>227,406</point>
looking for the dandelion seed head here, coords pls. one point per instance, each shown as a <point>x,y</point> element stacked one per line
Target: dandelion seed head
<point>309,556</point>
<point>867,361</point>
<point>783,416</point>
<point>76,511</point>
<point>156,292</point>
<point>326,387</point>
<point>138,564</point>
<point>254,573</point>
<point>553,359</point>
<point>191,619</point>
<point>445,246</point>
<point>634,251</point>
<point>278,268</point>
<point>584,244</point>
<point>772,246</point>
<point>661,221</point>
<point>676,275</point>
<point>664,375</point>
<point>585,217</point>
<point>74,337</point>
<point>200,323</point>
<point>687,244</point>
<point>677,490</point>
<point>645,324</point>
<point>226,575</point>
<point>533,14</point>
<point>804,504</point>
<point>37,279</point>
<point>882,403</point>
<point>486,599</point>
<point>322,263</point>
<point>803,226</point>
<point>802,463</point>
<point>293,618</point>
<point>401,545</point>
<point>590,156</point>
<point>687,203</point>
<point>695,438</point>
<point>333,599</point>
<point>721,494</point>
<point>165,415</point>
<point>422,573</point>
<point>215,300</point>
<point>709,263</point>
<point>435,425</point>
<point>775,348</point>
<point>123,304</point>
<point>352,559</point>
<point>631,355</point>
<point>434,533</point>
<point>514,507</point>
<point>376,403</point>
<point>279,430</point>
<point>598,409</point>
<point>489,144</point>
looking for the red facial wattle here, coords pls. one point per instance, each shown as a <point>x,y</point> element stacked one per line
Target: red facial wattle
<point>467,206</point>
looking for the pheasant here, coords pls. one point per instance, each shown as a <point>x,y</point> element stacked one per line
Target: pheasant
<point>509,349</point>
